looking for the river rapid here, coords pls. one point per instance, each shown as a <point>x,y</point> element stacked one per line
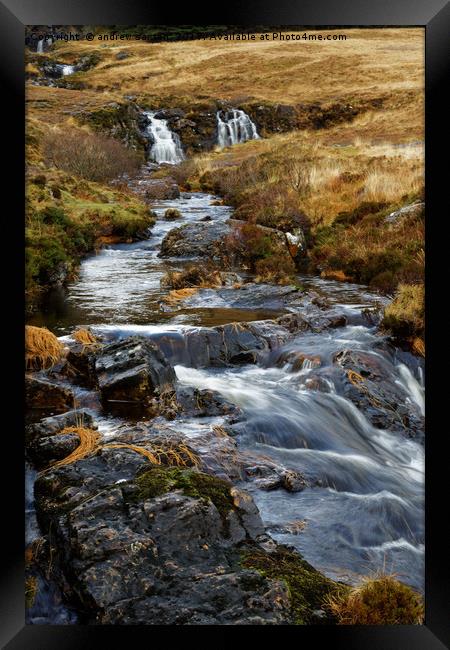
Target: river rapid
<point>363,510</point>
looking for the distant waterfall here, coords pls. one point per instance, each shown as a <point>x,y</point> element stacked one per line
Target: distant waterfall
<point>67,69</point>
<point>235,126</point>
<point>166,146</point>
<point>40,46</point>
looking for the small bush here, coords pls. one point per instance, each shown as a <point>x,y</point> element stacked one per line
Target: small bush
<point>277,269</point>
<point>171,214</point>
<point>378,601</point>
<point>91,156</point>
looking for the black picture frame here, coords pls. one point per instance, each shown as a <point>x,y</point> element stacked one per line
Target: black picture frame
<point>434,16</point>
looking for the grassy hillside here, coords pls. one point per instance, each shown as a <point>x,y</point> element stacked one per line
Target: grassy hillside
<point>357,156</point>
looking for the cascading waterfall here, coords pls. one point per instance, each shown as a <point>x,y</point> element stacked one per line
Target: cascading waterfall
<point>40,46</point>
<point>235,126</point>
<point>67,69</point>
<point>166,146</point>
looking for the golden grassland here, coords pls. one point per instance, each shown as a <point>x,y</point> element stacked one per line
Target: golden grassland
<point>369,63</point>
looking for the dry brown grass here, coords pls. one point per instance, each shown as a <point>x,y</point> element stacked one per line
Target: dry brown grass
<point>42,348</point>
<point>84,336</point>
<point>193,276</point>
<point>334,275</point>
<point>177,295</point>
<point>165,453</point>
<point>405,315</point>
<point>380,600</point>
<point>303,171</point>
<point>89,444</point>
<point>370,60</point>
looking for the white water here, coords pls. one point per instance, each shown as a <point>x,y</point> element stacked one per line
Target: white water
<point>40,46</point>
<point>235,126</point>
<point>67,69</point>
<point>166,146</point>
<point>366,513</point>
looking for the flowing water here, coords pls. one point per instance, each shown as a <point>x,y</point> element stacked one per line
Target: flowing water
<point>364,510</point>
<point>234,126</point>
<point>67,69</point>
<point>166,147</point>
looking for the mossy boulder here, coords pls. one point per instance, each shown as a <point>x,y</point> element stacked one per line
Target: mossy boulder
<point>308,588</point>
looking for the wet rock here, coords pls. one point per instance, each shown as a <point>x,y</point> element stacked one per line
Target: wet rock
<point>238,343</point>
<point>196,128</point>
<point>205,403</point>
<point>297,360</point>
<point>133,370</point>
<point>293,481</point>
<point>81,364</point>
<point>53,425</point>
<point>370,383</point>
<point>45,451</point>
<point>161,188</point>
<point>272,477</point>
<point>243,358</point>
<point>270,483</point>
<point>195,240</point>
<point>45,398</point>
<point>159,551</point>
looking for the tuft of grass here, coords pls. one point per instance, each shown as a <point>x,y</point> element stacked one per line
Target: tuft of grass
<point>405,315</point>
<point>193,276</point>
<point>165,453</point>
<point>177,295</point>
<point>171,214</point>
<point>31,587</point>
<point>42,348</point>
<point>379,600</point>
<point>89,444</point>
<point>84,336</point>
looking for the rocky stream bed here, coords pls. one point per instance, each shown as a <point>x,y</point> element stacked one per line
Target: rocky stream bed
<point>299,426</point>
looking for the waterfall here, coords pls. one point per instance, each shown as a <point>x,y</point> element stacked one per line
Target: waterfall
<point>67,69</point>
<point>40,46</point>
<point>166,144</point>
<point>235,126</point>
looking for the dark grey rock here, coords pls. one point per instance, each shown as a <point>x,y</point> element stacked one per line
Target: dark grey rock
<point>133,370</point>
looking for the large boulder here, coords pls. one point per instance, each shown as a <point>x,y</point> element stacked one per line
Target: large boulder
<point>156,545</point>
<point>195,240</point>
<point>133,370</point>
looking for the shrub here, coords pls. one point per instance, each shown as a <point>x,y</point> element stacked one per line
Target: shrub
<point>91,156</point>
<point>276,268</point>
<point>172,213</point>
<point>382,600</point>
